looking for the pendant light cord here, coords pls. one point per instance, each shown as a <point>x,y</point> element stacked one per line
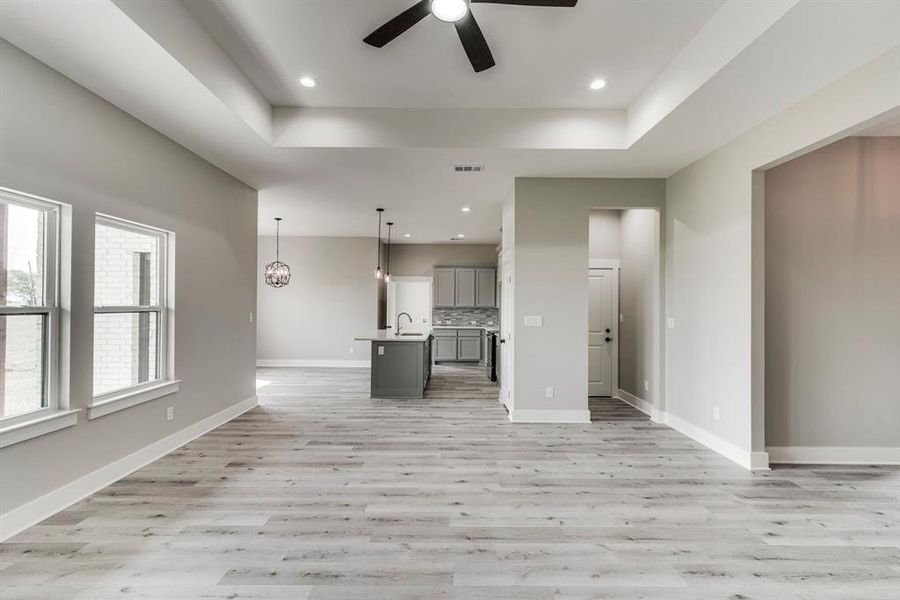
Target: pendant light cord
<point>278,240</point>
<point>379,239</point>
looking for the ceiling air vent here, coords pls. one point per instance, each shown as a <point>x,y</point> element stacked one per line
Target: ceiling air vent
<point>468,168</point>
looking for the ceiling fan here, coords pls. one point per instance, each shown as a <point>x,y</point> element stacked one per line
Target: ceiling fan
<point>458,13</point>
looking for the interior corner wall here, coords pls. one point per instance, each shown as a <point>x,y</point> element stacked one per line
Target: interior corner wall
<point>332,298</point>
<point>833,297</point>
<point>60,141</point>
<point>551,248</point>
<point>709,256</point>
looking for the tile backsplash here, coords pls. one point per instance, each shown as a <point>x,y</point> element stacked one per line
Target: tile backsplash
<point>483,317</point>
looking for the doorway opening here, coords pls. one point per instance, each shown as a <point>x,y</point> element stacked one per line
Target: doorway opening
<point>624,336</point>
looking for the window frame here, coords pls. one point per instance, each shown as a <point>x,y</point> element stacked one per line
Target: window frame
<point>51,381</point>
<point>164,383</point>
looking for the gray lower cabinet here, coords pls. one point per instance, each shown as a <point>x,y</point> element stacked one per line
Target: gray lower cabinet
<point>458,344</point>
<point>400,369</point>
<point>445,348</point>
<point>468,348</point>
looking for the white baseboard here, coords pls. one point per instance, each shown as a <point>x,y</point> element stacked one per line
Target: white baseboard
<point>834,455</point>
<point>518,415</point>
<point>748,460</point>
<point>37,510</point>
<point>642,405</point>
<point>296,362</point>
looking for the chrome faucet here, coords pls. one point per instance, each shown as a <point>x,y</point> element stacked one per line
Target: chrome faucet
<point>398,321</point>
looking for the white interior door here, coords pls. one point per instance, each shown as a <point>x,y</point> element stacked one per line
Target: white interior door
<point>603,354</point>
<point>506,326</point>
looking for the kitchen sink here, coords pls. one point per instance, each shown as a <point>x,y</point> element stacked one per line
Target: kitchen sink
<point>406,334</point>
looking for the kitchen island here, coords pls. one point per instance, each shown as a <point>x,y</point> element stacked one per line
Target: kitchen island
<point>401,364</point>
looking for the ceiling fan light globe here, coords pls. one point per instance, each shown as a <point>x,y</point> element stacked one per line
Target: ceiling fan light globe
<point>449,10</point>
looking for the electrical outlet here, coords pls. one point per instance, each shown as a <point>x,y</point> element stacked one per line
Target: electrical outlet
<point>170,413</point>
<point>380,350</point>
<point>490,322</point>
<point>670,322</point>
<point>621,318</point>
<point>351,350</point>
<point>251,316</point>
<point>473,322</point>
<point>646,386</point>
<point>715,413</point>
<point>548,392</point>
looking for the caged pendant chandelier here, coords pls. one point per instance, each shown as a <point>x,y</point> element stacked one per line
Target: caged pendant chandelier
<point>277,273</point>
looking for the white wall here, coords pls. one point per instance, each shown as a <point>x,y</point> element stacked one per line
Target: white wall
<point>332,298</point>
<point>60,141</point>
<point>713,356</point>
<point>551,257</point>
<point>833,297</point>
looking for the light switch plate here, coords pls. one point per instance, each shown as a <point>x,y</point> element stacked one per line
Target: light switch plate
<point>170,413</point>
<point>646,386</point>
<point>670,322</point>
<point>380,350</point>
<point>534,321</point>
<point>548,392</point>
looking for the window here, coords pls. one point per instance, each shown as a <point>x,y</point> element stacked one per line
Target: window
<point>29,308</point>
<point>130,309</point>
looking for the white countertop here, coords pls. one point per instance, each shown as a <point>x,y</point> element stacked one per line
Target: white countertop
<point>387,335</point>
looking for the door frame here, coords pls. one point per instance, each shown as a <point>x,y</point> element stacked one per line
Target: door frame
<point>389,315</point>
<point>612,266</point>
<point>507,355</point>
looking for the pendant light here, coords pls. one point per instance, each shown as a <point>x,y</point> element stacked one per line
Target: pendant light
<point>378,272</point>
<point>387,275</point>
<point>277,273</point>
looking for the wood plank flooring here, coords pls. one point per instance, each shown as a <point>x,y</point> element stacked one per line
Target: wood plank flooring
<point>322,493</point>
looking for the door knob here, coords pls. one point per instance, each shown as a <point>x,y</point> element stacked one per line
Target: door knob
<point>502,341</point>
<point>607,330</point>
<point>608,339</point>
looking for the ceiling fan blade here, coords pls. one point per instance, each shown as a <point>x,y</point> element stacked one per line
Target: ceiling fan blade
<point>474,44</point>
<point>399,24</point>
<point>556,3</point>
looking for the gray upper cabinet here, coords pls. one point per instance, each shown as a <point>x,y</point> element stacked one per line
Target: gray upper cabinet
<point>486,287</point>
<point>444,287</point>
<point>465,287</point>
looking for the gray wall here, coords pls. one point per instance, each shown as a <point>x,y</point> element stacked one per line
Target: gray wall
<point>551,255</point>
<point>714,356</point>
<point>419,260</point>
<point>639,285</point>
<point>833,296</point>
<point>332,298</point>
<point>60,141</point>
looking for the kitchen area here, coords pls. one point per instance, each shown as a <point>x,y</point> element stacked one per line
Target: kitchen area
<point>450,318</point>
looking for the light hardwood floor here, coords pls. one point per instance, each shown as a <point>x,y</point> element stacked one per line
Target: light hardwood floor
<point>323,493</point>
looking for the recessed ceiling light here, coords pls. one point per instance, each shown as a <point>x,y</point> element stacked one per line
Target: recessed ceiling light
<point>308,81</point>
<point>598,84</point>
<point>449,10</point>
<point>466,209</point>
<point>460,235</point>
<point>407,235</point>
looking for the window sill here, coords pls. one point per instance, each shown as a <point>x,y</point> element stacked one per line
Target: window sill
<point>129,398</point>
<point>21,432</point>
